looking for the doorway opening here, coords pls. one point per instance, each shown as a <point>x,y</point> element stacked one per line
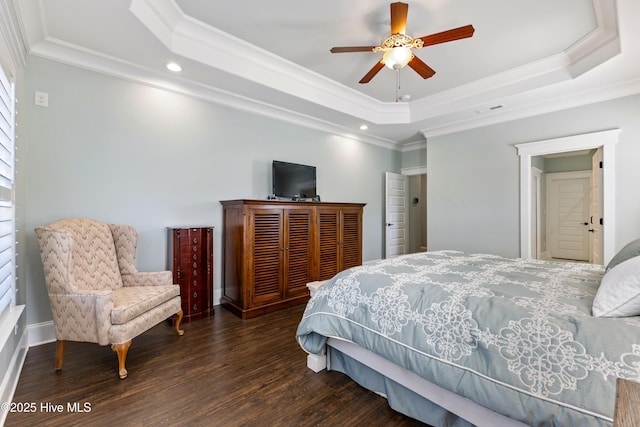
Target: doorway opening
<point>563,212</point>
<point>529,247</point>
<point>405,212</point>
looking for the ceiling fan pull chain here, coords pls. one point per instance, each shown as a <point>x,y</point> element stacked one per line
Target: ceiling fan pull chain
<point>397,84</point>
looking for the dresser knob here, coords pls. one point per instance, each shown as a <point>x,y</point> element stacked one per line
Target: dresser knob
<point>195,295</point>
<point>195,283</point>
<point>195,265</point>
<point>195,307</point>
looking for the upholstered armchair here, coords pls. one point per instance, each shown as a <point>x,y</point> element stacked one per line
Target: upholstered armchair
<point>95,291</point>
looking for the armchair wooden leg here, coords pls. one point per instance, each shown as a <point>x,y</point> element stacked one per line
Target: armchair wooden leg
<point>178,321</point>
<point>59,354</point>
<point>122,350</point>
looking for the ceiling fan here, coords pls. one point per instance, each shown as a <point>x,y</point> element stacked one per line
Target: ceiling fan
<point>397,47</point>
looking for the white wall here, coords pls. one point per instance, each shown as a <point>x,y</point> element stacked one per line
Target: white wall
<point>122,152</point>
<point>473,185</point>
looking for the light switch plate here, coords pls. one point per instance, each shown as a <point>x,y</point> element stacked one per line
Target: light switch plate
<point>42,99</point>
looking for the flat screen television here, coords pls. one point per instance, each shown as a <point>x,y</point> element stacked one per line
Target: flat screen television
<point>293,181</point>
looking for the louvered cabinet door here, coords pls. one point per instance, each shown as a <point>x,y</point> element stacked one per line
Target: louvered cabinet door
<point>340,237</point>
<point>298,251</point>
<point>329,239</point>
<point>266,269</point>
<point>351,238</point>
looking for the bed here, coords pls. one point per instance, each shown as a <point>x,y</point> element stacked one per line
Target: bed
<point>460,339</point>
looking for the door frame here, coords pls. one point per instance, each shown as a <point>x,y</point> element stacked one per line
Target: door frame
<point>596,207</point>
<point>606,139</point>
<point>536,223</point>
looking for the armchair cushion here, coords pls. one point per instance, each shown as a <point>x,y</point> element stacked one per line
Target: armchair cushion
<point>130,302</point>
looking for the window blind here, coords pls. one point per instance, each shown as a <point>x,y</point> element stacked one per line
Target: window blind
<point>7,209</point>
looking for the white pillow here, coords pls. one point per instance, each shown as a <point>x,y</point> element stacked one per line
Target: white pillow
<point>619,291</point>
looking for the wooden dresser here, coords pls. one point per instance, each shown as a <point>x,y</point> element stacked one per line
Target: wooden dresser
<point>190,257</point>
<point>272,249</point>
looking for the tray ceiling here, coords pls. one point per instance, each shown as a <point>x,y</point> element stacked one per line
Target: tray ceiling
<point>273,58</point>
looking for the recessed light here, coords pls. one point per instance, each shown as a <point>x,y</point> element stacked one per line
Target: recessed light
<point>172,66</point>
<point>364,127</point>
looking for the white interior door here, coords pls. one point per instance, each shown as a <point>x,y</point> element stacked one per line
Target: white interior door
<point>596,207</point>
<point>568,206</point>
<point>396,214</point>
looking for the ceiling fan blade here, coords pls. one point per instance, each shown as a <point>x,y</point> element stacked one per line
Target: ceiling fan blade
<point>421,68</point>
<point>372,73</point>
<point>352,49</point>
<point>399,17</point>
<point>449,35</point>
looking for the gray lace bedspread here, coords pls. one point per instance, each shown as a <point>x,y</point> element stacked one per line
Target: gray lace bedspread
<point>514,335</point>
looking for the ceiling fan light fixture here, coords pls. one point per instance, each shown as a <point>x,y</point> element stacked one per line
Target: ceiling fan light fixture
<point>397,47</point>
<point>397,57</point>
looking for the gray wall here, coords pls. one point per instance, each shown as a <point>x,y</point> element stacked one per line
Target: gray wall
<point>472,199</point>
<point>414,158</point>
<point>568,163</point>
<point>123,152</point>
<point>473,185</point>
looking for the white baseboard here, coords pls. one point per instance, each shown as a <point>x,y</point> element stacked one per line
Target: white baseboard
<point>41,333</point>
<point>11,377</point>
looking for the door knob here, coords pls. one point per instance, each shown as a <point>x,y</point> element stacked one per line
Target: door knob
<point>389,224</point>
<point>585,223</point>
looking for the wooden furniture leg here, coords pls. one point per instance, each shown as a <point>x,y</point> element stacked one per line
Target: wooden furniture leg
<point>178,320</point>
<point>59,354</point>
<point>121,349</point>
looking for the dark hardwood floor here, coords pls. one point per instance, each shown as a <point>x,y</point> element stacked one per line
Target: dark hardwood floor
<point>223,372</point>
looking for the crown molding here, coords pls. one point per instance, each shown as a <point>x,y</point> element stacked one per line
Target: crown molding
<point>536,107</point>
<point>9,32</point>
<point>602,44</point>
<point>452,110</point>
<point>413,146</point>
<point>537,74</point>
<point>598,46</point>
<point>193,39</point>
<point>60,51</point>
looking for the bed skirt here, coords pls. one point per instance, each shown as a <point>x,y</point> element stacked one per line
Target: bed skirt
<point>416,397</point>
